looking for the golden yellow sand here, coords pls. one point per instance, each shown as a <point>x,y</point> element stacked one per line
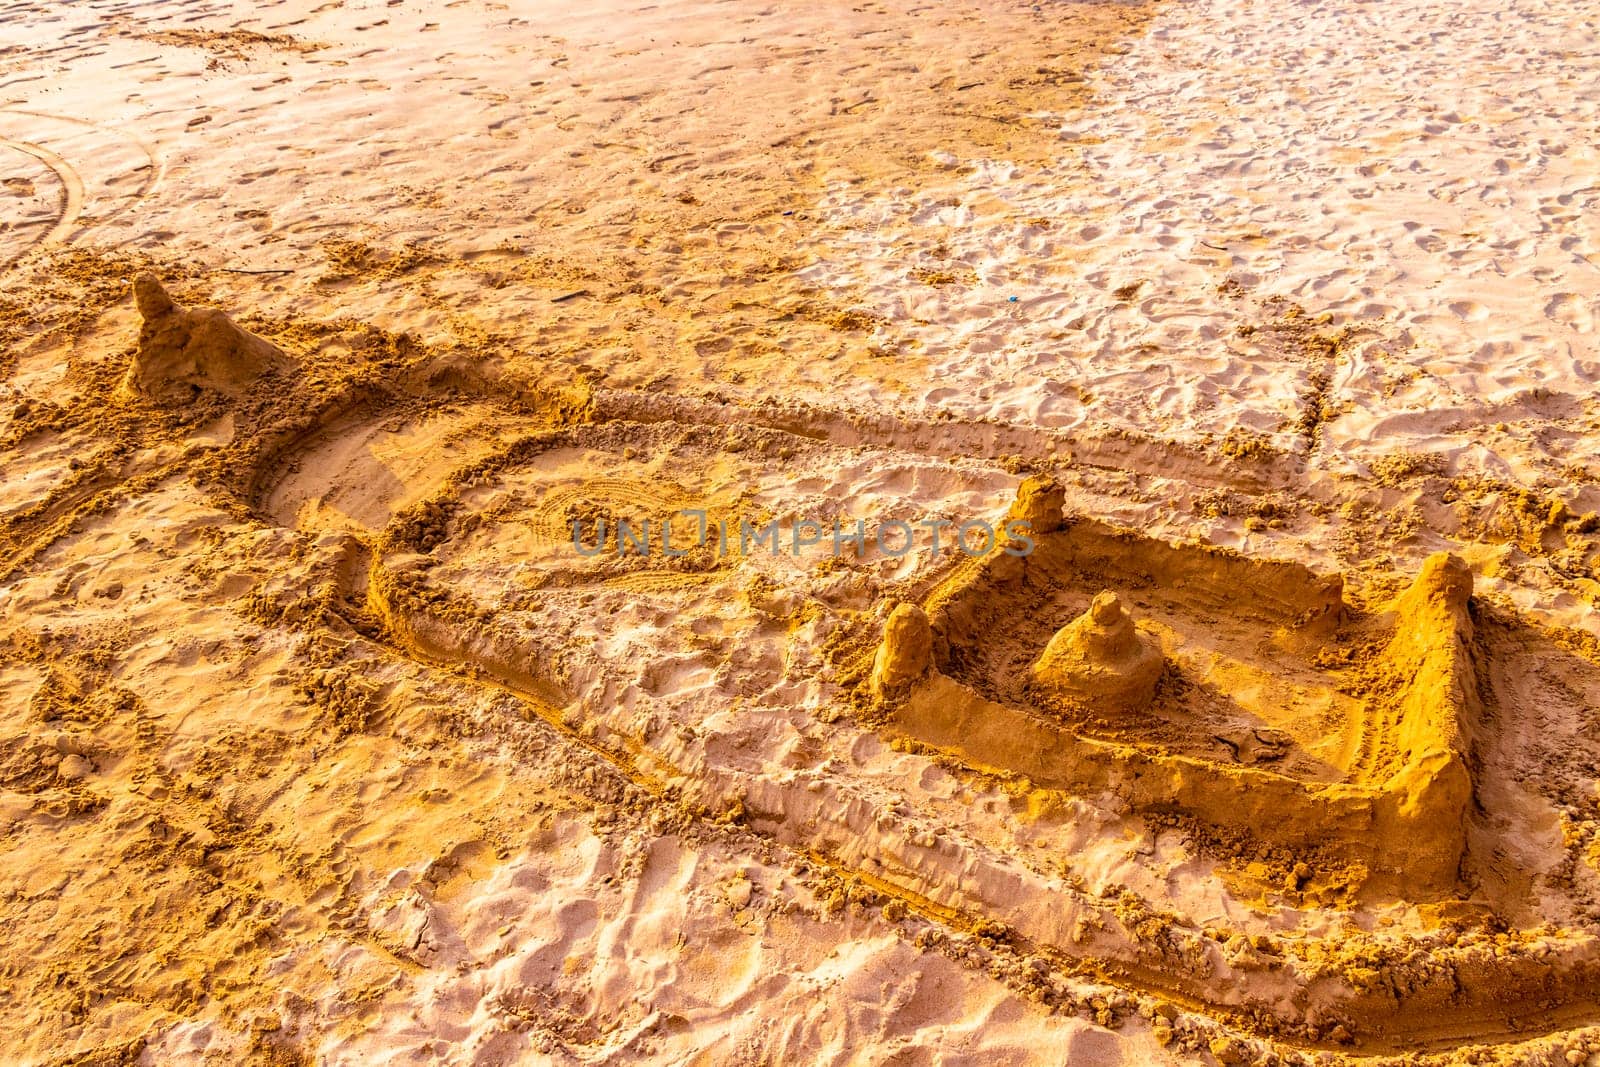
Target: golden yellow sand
<point>320,325</point>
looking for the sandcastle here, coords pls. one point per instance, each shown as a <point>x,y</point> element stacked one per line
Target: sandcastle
<point>1287,723</point>
<point>183,351</point>
<point>1302,746</point>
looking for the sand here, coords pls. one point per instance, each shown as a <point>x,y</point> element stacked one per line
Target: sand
<point>321,325</point>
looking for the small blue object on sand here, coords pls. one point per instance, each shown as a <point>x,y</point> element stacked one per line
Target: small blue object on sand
<point>1011,300</point>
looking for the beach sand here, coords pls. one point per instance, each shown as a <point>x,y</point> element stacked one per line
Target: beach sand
<point>321,742</point>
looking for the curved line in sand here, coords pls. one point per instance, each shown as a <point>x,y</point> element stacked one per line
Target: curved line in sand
<point>71,181</point>
<point>71,194</point>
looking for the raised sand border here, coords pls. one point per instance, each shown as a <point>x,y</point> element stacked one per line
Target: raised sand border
<point>1406,825</point>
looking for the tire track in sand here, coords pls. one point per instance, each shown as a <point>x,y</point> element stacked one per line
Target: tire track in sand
<point>71,196</point>
<point>76,193</point>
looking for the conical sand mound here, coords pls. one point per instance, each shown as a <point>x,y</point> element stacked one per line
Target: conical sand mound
<point>183,352</point>
<point>1100,661</point>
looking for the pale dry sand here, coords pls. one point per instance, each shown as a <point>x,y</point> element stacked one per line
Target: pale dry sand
<point>318,743</point>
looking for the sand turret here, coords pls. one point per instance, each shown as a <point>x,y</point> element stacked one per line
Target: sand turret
<point>1100,661</point>
<point>1441,591</point>
<point>1040,503</point>
<point>906,651</point>
<point>184,351</point>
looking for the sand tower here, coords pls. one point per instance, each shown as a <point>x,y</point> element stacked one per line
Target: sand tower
<point>906,651</point>
<point>1099,661</point>
<point>182,352</point>
<point>1040,503</point>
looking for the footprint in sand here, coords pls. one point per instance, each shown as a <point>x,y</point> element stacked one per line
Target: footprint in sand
<point>1571,309</point>
<point>1469,310</point>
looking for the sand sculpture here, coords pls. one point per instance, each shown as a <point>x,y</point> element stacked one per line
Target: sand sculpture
<point>183,351</point>
<point>1100,660</point>
<point>979,669</point>
<point>1387,789</point>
